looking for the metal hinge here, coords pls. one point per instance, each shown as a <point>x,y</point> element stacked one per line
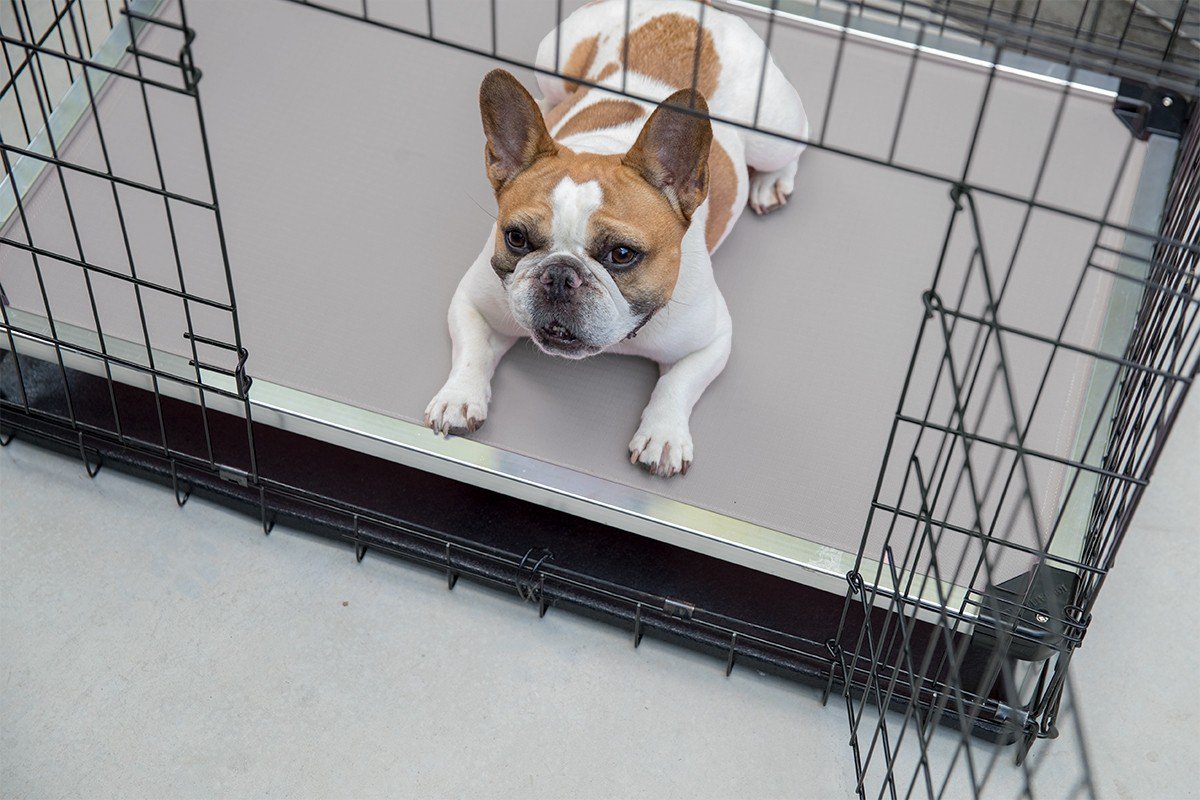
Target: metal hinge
<point>678,608</point>
<point>1146,110</point>
<point>1029,616</point>
<point>231,475</point>
<point>531,581</point>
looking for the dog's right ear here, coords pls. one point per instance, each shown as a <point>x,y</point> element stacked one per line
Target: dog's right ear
<point>516,133</point>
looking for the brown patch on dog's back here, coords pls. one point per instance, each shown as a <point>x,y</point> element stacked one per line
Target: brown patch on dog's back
<point>606,70</point>
<point>665,49</point>
<point>600,115</point>
<point>580,61</point>
<point>722,189</point>
<point>555,115</point>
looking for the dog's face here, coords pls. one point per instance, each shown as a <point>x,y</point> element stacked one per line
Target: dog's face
<point>588,246</point>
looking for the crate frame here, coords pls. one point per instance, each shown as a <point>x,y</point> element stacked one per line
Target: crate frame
<point>1147,387</point>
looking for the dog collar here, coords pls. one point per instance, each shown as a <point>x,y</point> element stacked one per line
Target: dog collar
<point>641,324</point>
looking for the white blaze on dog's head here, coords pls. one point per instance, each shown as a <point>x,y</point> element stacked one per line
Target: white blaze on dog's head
<point>588,245</point>
<point>571,206</point>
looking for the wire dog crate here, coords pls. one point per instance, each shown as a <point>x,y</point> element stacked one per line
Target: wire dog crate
<point>919,529</point>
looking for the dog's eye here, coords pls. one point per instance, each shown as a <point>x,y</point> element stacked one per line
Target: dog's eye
<point>622,256</point>
<point>516,240</point>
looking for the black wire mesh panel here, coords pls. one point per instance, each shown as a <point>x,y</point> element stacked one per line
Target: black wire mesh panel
<point>62,59</point>
<point>1149,33</point>
<point>963,491</point>
<point>1027,625</point>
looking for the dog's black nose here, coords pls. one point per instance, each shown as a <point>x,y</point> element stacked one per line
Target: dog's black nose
<point>560,281</point>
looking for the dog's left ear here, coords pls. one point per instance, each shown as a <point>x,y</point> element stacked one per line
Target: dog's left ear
<point>516,133</point>
<point>672,151</point>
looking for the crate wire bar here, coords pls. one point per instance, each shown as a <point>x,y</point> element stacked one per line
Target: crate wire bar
<point>965,601</point>
<point>1164,32</point>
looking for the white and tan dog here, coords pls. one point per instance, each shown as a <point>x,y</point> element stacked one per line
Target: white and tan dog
<point>609,208</point>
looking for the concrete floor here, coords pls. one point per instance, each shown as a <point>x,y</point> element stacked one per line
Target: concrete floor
<point>149,651</point>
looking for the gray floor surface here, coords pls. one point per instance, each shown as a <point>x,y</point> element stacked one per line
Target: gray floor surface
<point>150,651</point>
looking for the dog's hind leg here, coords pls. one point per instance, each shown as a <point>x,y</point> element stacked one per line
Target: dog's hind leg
<point>773,160</point>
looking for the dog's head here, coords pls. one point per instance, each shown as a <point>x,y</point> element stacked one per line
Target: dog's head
<point>588,246</point>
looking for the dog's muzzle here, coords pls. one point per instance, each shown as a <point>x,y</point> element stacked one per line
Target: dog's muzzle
<point>556,308</point>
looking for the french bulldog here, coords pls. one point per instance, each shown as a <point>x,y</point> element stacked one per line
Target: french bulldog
<point>610,207</point>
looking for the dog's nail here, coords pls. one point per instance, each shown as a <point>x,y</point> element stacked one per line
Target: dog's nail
<point>634,455</point>
<point>686,466</point>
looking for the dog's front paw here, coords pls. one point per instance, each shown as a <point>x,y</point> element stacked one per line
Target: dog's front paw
<point>456,409</point>
<point>662,445</point>
<point>771,190</point>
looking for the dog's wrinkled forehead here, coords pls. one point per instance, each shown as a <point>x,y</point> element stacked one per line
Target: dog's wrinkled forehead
<point>571,207</point>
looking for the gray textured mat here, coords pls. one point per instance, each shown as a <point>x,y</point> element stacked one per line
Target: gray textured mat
<point>349,165</point>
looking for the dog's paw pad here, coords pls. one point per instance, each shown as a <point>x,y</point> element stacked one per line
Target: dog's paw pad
<point>663,448</point>
<point>456,410</point>
<point>771,190</point>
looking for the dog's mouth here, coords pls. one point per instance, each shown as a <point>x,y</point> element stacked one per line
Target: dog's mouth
<point>560,336</point>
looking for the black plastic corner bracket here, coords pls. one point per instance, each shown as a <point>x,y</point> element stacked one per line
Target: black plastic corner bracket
<point>1035,629</point>
<point>1146,110</point>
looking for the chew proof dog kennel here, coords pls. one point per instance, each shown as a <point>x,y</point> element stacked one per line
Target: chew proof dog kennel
<point>230,233</point>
